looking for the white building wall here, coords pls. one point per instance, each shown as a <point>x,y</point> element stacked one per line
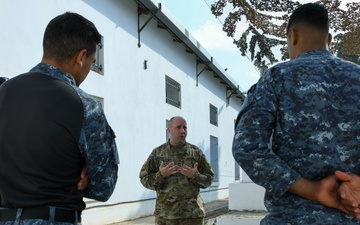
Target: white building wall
<point>134,98</point>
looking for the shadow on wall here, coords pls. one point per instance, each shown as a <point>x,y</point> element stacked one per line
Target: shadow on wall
<point>124,15</point>
<point>111,10</point>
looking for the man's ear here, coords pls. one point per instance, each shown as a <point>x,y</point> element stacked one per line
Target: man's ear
<point>81,56</point>
<point>294,36</point>
<point>329,39</point>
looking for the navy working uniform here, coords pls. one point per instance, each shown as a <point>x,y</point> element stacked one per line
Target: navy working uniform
<point>49,131</point>
<point>310,106</point>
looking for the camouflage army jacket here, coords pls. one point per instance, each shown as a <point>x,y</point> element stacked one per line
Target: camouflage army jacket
<point>178,197</point>
<point>310,107</point>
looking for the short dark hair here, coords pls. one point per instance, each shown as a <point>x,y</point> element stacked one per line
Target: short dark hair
<point>67,34</point>
<point>3,79</point>
<point>310,14</point>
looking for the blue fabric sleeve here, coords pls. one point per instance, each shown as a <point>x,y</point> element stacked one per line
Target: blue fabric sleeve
<point>98,147</point>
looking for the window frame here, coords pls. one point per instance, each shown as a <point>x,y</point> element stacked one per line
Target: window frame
<point>214,158</point>
<point>98,65</point>
<point>174,88</point>
<point>213,111</point>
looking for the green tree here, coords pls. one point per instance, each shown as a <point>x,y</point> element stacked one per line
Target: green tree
<point>264,38</point>
<point>347,56</point>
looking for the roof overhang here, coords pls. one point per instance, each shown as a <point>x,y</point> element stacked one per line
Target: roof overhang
<point>182,35</point>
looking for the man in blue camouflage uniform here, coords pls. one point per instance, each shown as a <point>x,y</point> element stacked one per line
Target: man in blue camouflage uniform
<point>177,170</point>
<point>56,146</point>
<point>309,108</point>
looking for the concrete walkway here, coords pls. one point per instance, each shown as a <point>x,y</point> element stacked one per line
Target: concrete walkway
<point>217,213</point>
<point>211,208</point>
<point>240,218</point>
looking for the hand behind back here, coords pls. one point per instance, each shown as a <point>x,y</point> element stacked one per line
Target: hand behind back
<point>349,192</point>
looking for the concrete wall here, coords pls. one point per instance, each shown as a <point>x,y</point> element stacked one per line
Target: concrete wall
<point>246,196</point>
<point>134,98</point>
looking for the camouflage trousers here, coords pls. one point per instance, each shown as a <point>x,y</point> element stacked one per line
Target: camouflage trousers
<point>190,221</point>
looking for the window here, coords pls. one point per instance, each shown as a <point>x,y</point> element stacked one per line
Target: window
<point>214,157</point>
<point>167,133</point>
<point>173,92</point>
<point>98,65</point>
<point>213,115</point>
<point>237,171</point>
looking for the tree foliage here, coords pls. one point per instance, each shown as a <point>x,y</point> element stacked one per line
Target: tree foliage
<point>263,39</point>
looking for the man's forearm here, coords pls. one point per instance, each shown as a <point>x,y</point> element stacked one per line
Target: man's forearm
<point>324,191</point>
<point>305,188</point>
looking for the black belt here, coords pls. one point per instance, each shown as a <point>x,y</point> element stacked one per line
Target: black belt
<point>42,213</point>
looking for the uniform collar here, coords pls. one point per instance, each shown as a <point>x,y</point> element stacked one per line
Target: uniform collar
<point>55,72</point>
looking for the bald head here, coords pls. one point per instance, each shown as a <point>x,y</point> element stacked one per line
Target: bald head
<point>171,121</point>
<point>177,130</point>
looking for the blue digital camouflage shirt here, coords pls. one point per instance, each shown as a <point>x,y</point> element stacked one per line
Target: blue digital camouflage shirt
<point>97,146</point>
<point>311,107</point>
<point>97,140</point>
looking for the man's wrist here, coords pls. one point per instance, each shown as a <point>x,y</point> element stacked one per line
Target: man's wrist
<point>196,175</point>
<point>159,176</point>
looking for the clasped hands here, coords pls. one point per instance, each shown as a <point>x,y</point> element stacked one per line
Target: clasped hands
<point>172,168</point>
<point>341,191</point>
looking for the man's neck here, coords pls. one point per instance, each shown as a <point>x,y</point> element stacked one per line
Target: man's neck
<point>177,145</point>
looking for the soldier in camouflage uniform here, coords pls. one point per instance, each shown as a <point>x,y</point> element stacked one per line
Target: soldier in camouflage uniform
<point>56,145</point>
<point>309,108</point>
<point>177,170</point>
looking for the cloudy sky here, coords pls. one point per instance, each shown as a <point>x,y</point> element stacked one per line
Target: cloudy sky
<point>195,15</point>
